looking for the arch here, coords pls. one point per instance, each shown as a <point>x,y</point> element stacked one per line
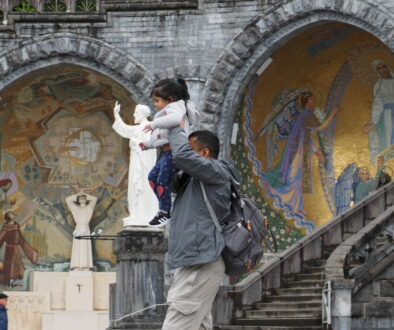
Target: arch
<point>194,74</point>
<point>68,48</point>
<point>248,50</point>
<point>188,71</point>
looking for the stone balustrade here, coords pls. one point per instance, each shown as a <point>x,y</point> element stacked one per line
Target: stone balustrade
<point>39,6</point>
<point>12,11</point>
<point>72,6</point>
<point>362,262</point>
<point>346,259</point>
<point>234,299</point>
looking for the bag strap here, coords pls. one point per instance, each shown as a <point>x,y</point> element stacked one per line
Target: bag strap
<point>210,208</point>
<point>235,187</point>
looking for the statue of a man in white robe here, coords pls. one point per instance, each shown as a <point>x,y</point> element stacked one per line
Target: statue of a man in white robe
<point>81,206</point>
<point>142,202</point>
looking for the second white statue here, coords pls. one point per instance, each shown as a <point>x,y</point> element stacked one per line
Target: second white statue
<point>81,206</point>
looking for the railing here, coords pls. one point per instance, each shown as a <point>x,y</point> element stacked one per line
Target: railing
<point>317,245</point>
<point>326,303</point>
<point>29,7</point>
<point>356,262</point>
<point>347,258</point>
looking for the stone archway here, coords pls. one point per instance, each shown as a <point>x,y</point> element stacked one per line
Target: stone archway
<point>87,52</point>
<point>263,36</point>
<point>43,55</point>
<point>194,74</point>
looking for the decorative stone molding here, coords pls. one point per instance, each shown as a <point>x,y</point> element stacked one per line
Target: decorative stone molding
<point>195,72</point>
<point>85,51</point>
<point>263,36</point>
<point>143,5</point>
<point>195,76</point>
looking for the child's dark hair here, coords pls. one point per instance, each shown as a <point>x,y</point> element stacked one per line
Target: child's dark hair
<point>171,90</point>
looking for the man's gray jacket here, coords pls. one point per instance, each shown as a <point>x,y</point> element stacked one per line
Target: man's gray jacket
<point>193,238</point>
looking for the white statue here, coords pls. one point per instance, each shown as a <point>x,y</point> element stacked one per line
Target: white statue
<point>81,206</point>
<point>142,201</point>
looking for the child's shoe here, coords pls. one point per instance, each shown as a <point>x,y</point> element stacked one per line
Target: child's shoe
<point>160,219</point>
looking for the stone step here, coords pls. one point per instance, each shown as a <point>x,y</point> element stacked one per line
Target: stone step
<point>309,277</point>
<point>284,313</point>
<point>289,305</point>
<point>297,291</point>
<point>315,263</point>
<point>313,269</point>
<point>292,298</point>
<point>254,327</point>
<point>303,284</point>
<point>288,321</point>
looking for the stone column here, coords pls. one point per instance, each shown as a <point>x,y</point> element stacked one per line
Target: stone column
<point>139,279</point>
<point>341,316</point>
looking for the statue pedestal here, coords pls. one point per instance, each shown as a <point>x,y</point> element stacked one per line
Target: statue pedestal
<point>135,221</point>
<point>76,300</point>
<point>139,279</point>
<point>79,291</point>
<point>67,320</point>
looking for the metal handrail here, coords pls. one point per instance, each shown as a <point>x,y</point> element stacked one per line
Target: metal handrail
<point>98,237</point>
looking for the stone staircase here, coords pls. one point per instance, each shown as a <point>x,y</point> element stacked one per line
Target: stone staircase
<point>286,291</point>
<point>296,305</point>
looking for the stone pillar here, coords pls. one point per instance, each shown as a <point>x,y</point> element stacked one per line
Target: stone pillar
<point>139,279</point>
<point>341,316</point>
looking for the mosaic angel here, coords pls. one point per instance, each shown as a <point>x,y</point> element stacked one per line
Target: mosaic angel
<point>354,184</point>
<point>292,136</point>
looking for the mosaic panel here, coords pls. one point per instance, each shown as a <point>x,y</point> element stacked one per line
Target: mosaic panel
<point>317,127</point>
<point>56,138</point>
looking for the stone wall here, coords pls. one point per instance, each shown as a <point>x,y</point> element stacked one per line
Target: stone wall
<point>220,44</point>
<point>373,305</point>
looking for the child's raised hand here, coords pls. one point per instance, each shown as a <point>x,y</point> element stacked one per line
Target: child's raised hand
<point>147,128</point>
<point>142,146</point>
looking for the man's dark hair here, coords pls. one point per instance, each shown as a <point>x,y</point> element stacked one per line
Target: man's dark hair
<point>207,139</point>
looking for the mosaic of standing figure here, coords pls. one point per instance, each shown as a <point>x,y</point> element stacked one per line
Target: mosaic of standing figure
<point>12,238</point>
<point>318,127</point>
<point>381,127</point>
<point>57,138</point>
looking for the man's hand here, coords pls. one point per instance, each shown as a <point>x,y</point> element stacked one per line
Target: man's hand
<point>147,128</point>
<point>117,107</point>
<point>142,146</point>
